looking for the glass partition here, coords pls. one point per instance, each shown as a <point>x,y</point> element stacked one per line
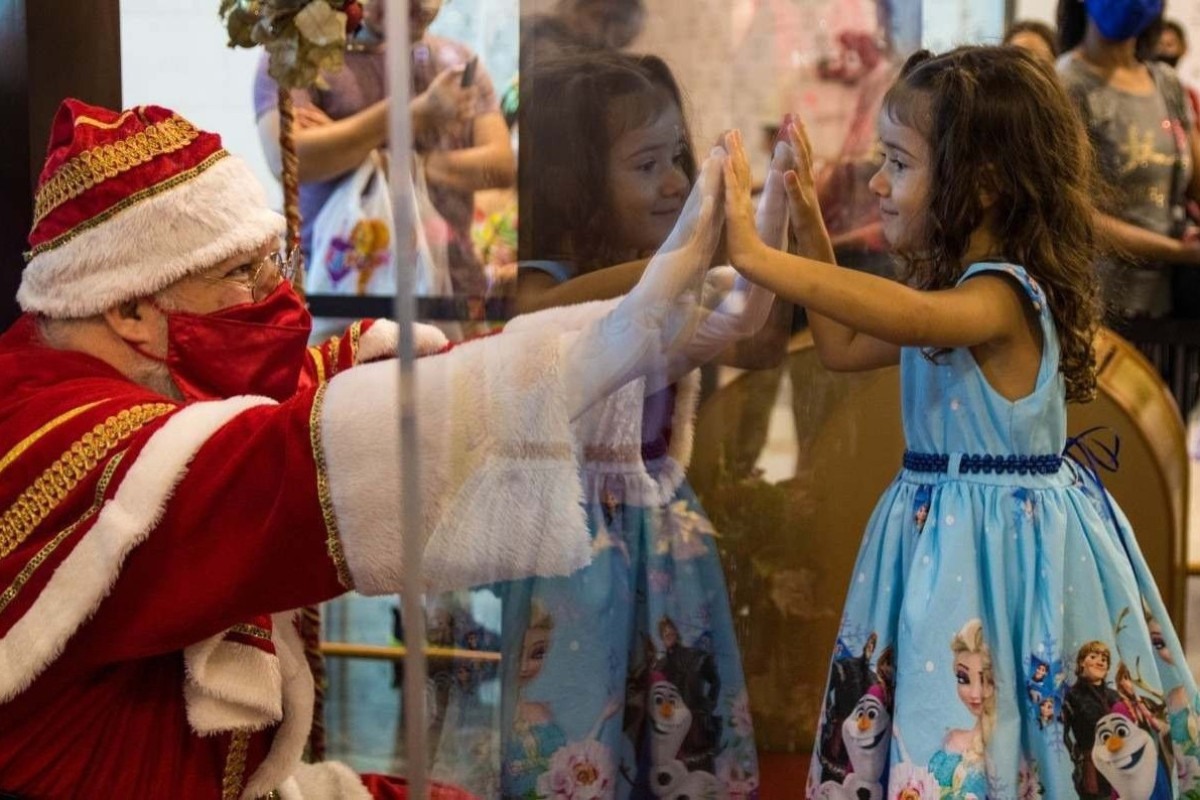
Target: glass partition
<point>536,156</point>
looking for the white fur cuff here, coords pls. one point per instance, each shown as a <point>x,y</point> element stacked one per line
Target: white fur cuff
<point>500,488</point>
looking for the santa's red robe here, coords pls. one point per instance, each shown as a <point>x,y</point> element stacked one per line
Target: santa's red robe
<point>151,552</point>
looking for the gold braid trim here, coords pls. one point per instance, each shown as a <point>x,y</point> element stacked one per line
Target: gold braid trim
<point>32,439</point>
<point>117,208</point>
<point>355,337</point>
<point>253,631</point>
<point>535,451</point>
<point>92,122</point>
<point>26,573</point>
<point>318,363</point>
<point>235,766</point>
<point>93,167</point>
<point>335,344</point>
<point>333,539</point>
<point>60,478</point>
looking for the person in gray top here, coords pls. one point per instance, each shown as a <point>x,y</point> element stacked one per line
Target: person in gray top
<point>1140,128</point>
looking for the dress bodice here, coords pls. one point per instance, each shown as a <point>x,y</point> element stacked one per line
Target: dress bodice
<point>949,407</point>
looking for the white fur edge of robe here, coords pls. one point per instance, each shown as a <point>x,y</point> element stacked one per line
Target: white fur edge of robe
<point>500,487</point>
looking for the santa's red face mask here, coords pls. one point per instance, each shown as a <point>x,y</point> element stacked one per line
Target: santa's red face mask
<point>252,348</point>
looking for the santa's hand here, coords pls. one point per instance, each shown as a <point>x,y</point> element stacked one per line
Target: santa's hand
<point>657,318</point>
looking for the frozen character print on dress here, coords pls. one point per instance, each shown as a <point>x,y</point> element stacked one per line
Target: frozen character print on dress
<point>921,507</point>
<point>850,678</point>
<point>1088,700</point>
<point>1044,689</point>
<point>960,766</point>
<point>670,723</point>
<point>693,672</point>
<point>1127,757</point>
<point>867,735</point>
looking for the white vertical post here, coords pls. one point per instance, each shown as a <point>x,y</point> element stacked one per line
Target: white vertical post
<point>400,183</point>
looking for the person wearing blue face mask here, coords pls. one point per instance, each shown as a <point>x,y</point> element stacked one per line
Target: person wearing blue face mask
<point>1140,127</point>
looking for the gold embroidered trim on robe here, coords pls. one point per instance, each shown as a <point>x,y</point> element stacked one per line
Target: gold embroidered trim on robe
<point>235,766</point>
<point>318,363</point>
<point>33,438</point>
<point>253,631</point>
<point>355,337</point>
<point>333,539</point>
<point>31,567</point>
<point>60,478</point>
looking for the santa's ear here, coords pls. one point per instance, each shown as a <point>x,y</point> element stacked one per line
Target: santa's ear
<point>134,321</point>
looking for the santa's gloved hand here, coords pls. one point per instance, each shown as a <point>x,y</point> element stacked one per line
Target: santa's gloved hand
<point>659,315</point>
<point>734,308</point>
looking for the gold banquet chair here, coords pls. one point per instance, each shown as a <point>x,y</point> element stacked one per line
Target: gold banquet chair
<point>789,547</point>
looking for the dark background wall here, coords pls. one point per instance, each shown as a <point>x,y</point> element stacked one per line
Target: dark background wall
<point>49,49</point>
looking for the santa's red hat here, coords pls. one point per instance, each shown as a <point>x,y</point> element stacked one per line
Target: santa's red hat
<point>128,203</point>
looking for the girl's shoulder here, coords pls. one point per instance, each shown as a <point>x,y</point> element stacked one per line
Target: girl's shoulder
<point>1015,272</point>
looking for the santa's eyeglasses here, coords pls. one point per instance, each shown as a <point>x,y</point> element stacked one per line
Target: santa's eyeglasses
<point>263,277</point>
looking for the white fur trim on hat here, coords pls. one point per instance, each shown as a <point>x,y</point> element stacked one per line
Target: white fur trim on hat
<point>145,248</point>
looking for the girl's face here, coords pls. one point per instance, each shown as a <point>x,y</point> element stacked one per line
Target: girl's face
<point>974,684</point>
<point>902,184</point>
<point>647,184</point>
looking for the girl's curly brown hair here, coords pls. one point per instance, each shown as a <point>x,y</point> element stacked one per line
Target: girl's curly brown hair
<point>998,122</point>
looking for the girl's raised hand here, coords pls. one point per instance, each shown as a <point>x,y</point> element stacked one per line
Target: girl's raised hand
<point>741,235</point>
<point>808,226</point>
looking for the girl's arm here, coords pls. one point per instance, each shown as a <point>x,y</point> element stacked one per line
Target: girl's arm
<point>977,312</point>
<point>840,348</point>
<point>537,290</point>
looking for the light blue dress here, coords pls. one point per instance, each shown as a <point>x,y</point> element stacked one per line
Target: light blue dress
<point>990,608</point>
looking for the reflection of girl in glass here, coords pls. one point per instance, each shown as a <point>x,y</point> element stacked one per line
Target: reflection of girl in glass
<point>606,170</point>
<point>960,765</point>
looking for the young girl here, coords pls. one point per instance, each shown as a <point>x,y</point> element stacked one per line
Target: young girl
<point>984,194</point>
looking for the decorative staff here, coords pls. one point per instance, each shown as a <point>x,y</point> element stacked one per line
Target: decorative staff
<point>302,39</point>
